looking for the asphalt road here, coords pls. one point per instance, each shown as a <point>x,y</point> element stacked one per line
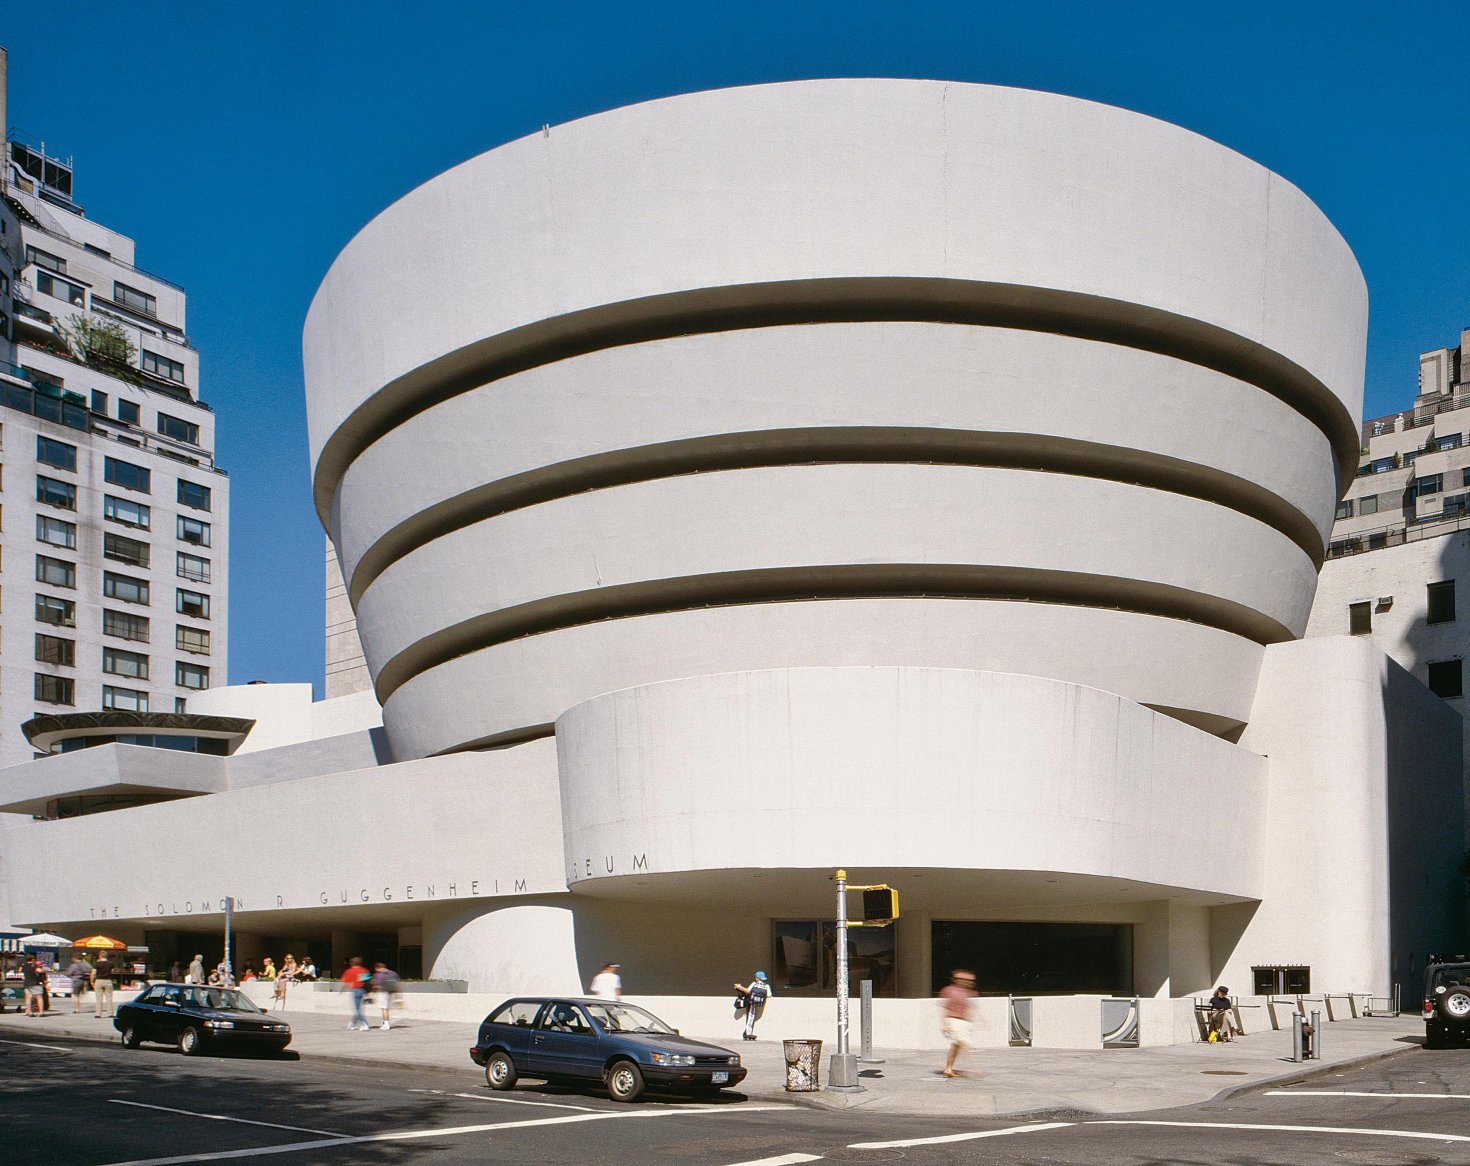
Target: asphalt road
<point>75,1104</point>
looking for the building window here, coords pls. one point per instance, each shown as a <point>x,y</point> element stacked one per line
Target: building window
<point>55,650</point>
<point>62,495</point>
<point>124,587</point>
<point>45,259</point>
<point>128,412</point>
<point>124,625</point>
<point>191,675</point>
<point>193,568</point>
<point>1368,505</point>
<point>1444,678</point>
<point>61,613</point>
<point>181,704</point>
<point>131,297</point>
<point>191,530</point>
<point>1344,509</point>
<point>55,572</point>
<point>1360,619</point>
<point>1428,484</point>
<point>99,402</point>
<point>174,427</point>
<point>193,604</point>
<point>1448,441</point>
<point>1441,601</point>
<point>129,700</point>
<point>191,640</point>
<point>127,475</point>
<point>1281,981</point>
<point>56,531</point>
<point>56,453</point>
<point>133,665</point>
<point>163,367</point>
<point>61,289</point>
<point>127,512</point>
<point>193,494</point>
<point>55,689</point>
<point>125,550</point>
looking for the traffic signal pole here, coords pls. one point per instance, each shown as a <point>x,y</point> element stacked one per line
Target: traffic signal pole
<point>842,1072</point>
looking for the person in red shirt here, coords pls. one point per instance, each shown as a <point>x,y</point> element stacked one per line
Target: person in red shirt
<point>355,980</point>
<point>954,1004</point>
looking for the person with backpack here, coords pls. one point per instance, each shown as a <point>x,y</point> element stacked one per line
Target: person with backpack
<point>754,999</point>
<point>387,985</point>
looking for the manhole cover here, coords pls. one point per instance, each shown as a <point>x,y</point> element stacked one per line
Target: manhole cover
<point>1386,1158</point>
<point>1224,1073</point>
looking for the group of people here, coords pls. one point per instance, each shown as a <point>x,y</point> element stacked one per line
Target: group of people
<point>750,999</point>
<point>100,977</point>
<point>383,982</point>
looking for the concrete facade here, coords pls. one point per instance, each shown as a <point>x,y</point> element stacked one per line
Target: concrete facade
<point>846,482</point>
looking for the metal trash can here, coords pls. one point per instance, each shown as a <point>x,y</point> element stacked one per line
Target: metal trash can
<point>803,1066</point>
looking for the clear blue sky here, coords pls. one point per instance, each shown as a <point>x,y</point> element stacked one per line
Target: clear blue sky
<point>242,145</point>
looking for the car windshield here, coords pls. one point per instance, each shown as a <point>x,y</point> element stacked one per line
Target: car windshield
<point>216,998</point>
<point>626,1018</point>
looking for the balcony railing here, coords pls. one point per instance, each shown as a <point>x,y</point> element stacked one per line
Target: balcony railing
<point>1398,534</point>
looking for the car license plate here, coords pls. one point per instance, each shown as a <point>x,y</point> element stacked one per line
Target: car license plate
<point>718,1078</point>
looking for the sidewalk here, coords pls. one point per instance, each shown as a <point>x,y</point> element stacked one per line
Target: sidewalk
<point>998,1081</point>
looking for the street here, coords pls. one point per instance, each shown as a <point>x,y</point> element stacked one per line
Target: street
<point>84,1104</point>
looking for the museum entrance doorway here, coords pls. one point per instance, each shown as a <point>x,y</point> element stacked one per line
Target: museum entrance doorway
<point>1035,959</point>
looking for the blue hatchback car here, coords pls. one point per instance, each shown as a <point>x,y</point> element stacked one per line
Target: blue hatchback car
<point>621,1045</point>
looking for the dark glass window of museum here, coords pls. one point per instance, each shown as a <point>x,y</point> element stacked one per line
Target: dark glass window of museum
<point>1281,981</point>
<point>1441,601</point>
<point>1445,678</point>
<point>1360,618</point>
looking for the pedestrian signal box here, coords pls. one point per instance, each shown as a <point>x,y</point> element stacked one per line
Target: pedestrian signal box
<point>880,905</point>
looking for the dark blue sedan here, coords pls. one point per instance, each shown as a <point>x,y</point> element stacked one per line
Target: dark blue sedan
<point>197,1018</point>
<point>581,1039</point>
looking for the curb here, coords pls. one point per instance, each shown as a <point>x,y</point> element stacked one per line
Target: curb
<point>1299,1075</point>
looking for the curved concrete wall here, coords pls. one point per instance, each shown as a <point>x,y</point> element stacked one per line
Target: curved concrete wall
<point>940,769</point>
<point>973,373</point>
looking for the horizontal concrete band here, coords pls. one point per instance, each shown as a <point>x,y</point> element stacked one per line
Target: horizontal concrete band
<point>957,581</point>
<point>844,300</point>
<point>526,683</point>
<point>849,444</point>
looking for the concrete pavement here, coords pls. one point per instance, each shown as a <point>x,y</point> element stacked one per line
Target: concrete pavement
<point>997,1081</point>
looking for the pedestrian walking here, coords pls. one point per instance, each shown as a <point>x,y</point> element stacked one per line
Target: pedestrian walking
<point>102,984</point>
<point>30,973</point>
<point>607,984</point>
<point>78,973</point>
<point>356,980</point>
<point>752,1001</point>
<point>386,986</point>
<point>955,1002</point>
<point>196,970</point>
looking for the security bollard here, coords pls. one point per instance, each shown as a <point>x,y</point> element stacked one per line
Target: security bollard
<point>1316,1035</point>
<point>1296,1036</point>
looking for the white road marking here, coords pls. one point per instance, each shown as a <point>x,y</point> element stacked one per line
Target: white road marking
<point>447,1132</point>
<point>33,1045</point>
<point>783,1160</point>
<point>1026,1129</point>
<point>1349,1130</point>
<point>1350,1093</point>
<point>221,1117</point>
<point>506,1100</point>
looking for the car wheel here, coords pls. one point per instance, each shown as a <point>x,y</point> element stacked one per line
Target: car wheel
<point>190,1042</point>
<point>1454,1005</point>
<point>500,1071</point>
<point>624,1081</point>
<point>130,1038</point>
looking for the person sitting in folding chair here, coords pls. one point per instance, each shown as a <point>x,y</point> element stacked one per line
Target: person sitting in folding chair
<point>1222,1014</point>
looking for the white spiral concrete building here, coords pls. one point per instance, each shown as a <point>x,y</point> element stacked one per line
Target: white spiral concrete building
<point>919,478</point>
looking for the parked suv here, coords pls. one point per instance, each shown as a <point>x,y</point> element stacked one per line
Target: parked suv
<point>1446,1000</point>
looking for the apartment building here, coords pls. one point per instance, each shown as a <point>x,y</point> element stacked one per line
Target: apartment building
<point>1398,562</point>
<point>113,514</point>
